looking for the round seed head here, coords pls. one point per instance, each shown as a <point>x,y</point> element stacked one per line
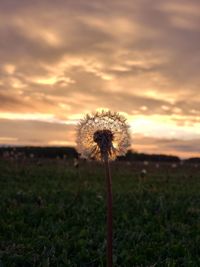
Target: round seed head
<point>103,134</point>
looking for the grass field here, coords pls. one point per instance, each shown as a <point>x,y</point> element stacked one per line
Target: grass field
<point>52,214</point>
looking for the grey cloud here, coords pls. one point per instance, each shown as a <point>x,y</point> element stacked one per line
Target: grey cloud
<point>73,22</point>
<point>9,103</point>
<point>35,132</point>
<point>183,148</point>
<point>143,45</point>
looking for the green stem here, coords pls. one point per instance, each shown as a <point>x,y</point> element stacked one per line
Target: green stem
<point>109,212</point>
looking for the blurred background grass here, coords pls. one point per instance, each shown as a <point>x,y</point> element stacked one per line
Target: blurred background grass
<point>53,213</point>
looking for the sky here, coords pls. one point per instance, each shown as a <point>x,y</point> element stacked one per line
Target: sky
<point>62,59</point>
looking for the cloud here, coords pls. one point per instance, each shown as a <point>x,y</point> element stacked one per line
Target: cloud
<point>10,103</point>
<point>67,58</point>
<point>32,132</point>
<point>180,147</point>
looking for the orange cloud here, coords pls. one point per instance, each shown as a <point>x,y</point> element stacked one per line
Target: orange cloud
<point>61,59</point>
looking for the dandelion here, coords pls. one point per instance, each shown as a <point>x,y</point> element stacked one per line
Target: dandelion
<point>76,163</point>
<point>143,173</point>
<point>104,136</point>
<point>157,165</point>
<point>31,156</point>
<point>174,165</point>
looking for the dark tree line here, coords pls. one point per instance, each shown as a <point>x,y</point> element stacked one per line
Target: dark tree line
<point>193,160</point>
<point>40,152</point>
<point>134,156</point>
<point>70,152</point>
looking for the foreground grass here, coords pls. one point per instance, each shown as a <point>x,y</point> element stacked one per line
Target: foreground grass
<point>52,214</point>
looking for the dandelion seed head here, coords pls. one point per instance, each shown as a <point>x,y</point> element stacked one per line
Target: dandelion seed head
<point>103,133</point>
<point>143,173</point>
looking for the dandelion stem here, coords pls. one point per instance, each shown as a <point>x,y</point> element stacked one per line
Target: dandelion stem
<point>109,212</point>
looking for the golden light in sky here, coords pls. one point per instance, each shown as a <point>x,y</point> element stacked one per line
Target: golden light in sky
<point>63,59</point>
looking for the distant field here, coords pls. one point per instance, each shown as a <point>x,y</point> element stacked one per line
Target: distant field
<point>53,214</point>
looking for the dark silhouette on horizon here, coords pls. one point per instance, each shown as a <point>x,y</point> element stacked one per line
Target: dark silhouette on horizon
<point>71,153</point>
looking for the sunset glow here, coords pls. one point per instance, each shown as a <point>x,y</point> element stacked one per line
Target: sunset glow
<point>63,59</point>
